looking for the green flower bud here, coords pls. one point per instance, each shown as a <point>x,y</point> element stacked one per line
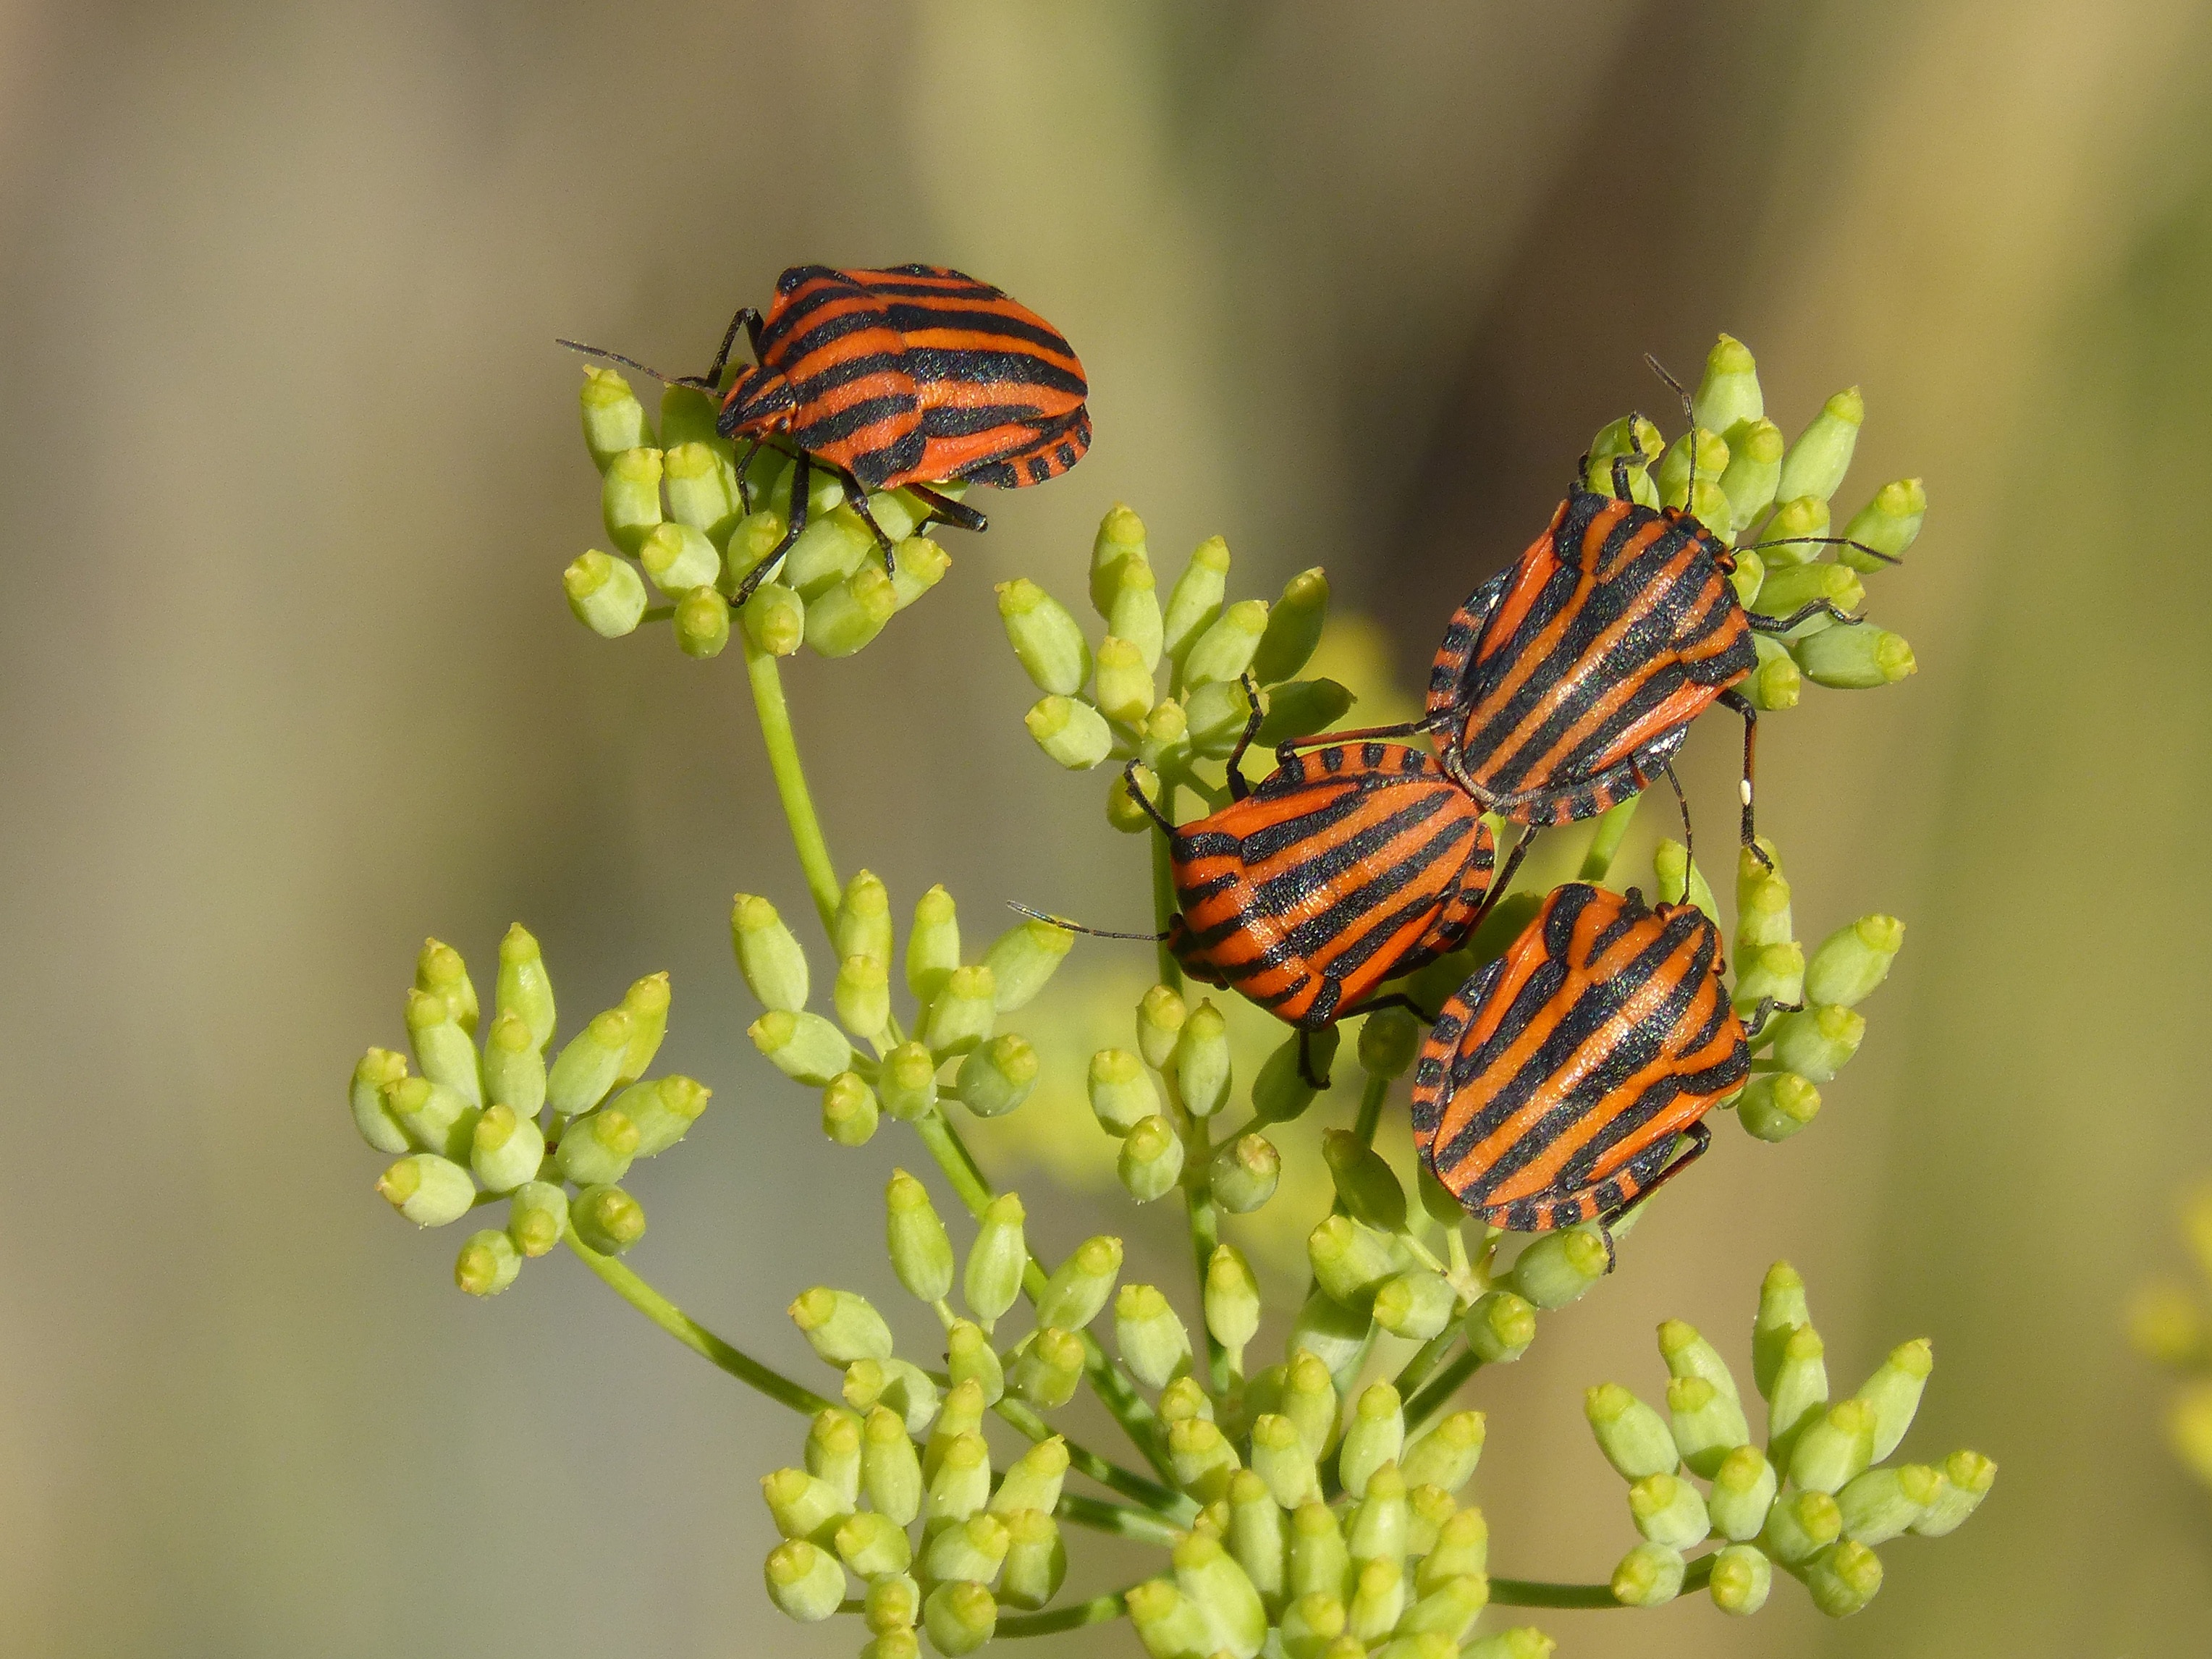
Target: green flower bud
<point>921,1251</point>
<point>1376,1436</point>
<point>908,1082</point>
<point>1649,1576</point>
<point>1047,1369</point>
<point>614,420</point>
<point>1674,473</point>
<point>933,947</point>
<point>1201,1061</point>
<point>1890,523</point>
<point>586,1068</point>
<point>1743,1488</point>
<point>871,1545</point>
<point>1280,1092</point>
<point>843,619</point>
<point>1122,1092</point>
<point>1776,1105</point>
<point>1560,1267</point>
<point>1125,689</point>
<point>1379,1598</point>
<point>1167,1622</point>
<point>440,971</point>
<point>1881,1504</point>
<point>1149,1338</point>
<point>969,1358</point>
<point>1023,959</point>
<point>1119,543</point>
<point>992,1277</point>
<point>1634,1439</point>
<point>1427,1509</point>
<point>1819,1042</point>
<point>803,1046</point>
<point>960,1478</point>
<point>1754,468</point>
<point>442,1047</point>
<point>1076,1293</point>
<point>1833,1447</point>
<point>833,550</point>
<point>524,990</point>
<point>1364,1181</point>
<point>775,619</point>
<point>891,1469</point>
<point>1416,1304</point>
<point>1311,1623</point>
<point>804,1506</point>
<point>1800,1392</point>
<point>1293,628</point>
<point>687,415</point>
<point>597,1149</point>
<point>963,1014</point>
<point>629,498</point>
<point>1434,1625</point>
<point>536,1212</point>
<point>1160,1019</point>
<point>488,1264</point>
<point>1771,972</point>
<point>1816,463</point>
<point>702,497</point>
<point>1686,1354</point>
<point>752,539</point>
<point>1446,1455</point>
<point>435,1117</point>
<point>1740,1579</point>
<point>1310,1400</point>
<point>1035,1561</point>
<point>1232,1301</point>
<point>1243,1173</point>
<point>1967,1478</point>
<point>1854,657</point>
<point>1299,708</point>
<point>973,1549</point>
<point>1132,615</point>
<point>1893,1394</point>
<point>960,1617</point>
<point>1786,591</point>
<point>429,1190</point>
<point>680,559</point>
<point>1389,1041</point>
<point>1668,1510</point>
<point>1196,601</point>
<point>1122,812</point>
<point>1437,1200</point>
<point>1800,1524</point>
<point>1842,1578</point>
<point>1320,1562</point>
<point>1047,641</point>
<point>1281,1457</point>
<point>1782,1308</point>
<point>372,1114</point>
<point>863,996</point>
<point>1337,1335</point>
<point>922,564</point>
<point>998,1077</point>
<point>505,1150</point>
<point>1461,1550</point>
<point>1499,1327</point>
<point>840,1326</point>
<point>1729,391</point>
<point>1201,1458</point>
<point>1258,1536</point>
<point>1852,961</point>
<point>805,1583</point>
<point>513,1065</point>
<point>1216,714</point>
<point>1225,649</point>
<point>862,926</point>
<point>892,1605</point>
<point>1630,435</point>
<point>1072,733</point>
<point>702,623</point>
<point>664,1110</point>
<point>1034,1481</point>
<point>1762,902</point>
<point>1211,1580</point>
<point>1776,683</point>
<point>832,1453</point>
<point>1150,1160</point>
<point>607,1218</point>
<point>1350,1260</point>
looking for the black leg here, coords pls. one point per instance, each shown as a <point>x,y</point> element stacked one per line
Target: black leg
<point>1682,804</point>
<point>1503,879</point>
<point>1305,1060</point>
<point>1734,699</point>
<point>1701,1140</point>
<point>1805,612</point>
<point>958,514</point>
<point>1395,1000</point>
<point>801,481</point>
<point>1238,788</point>
<point>1137,794</point>
<point>1765,1010</point>
<point>1289,747</point>
<point>856,497</point>
<point>749,320</point>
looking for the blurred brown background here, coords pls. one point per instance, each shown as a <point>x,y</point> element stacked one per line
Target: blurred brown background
<point>288,683</point>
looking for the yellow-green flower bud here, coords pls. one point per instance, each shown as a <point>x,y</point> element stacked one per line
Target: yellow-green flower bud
<point>863,996</point>
<point>435,1117</point>
<point>973,1549</point>
<point>1833,1447</point>
<point>607,1218</point>
<point>1782,1310</point>
<point>702,623</point>
<point>1194,602</point>
<point>1785,592</point>
<point>1160,1019</point>
<point>1762,902</point>
<point>1364,1181</point>
<point>1243,1173</point>
<point>1881,1504</point>
<point>1133,619</point>
<point>372,1114</point>
<point>1048,1370</point>
<point>1446,1455</point>
<point>803,1046</point>
<point>505,1150</point>
<point>1743,1491</point>
<point>1119,542</point>
<point>1842,1578</point>
<point>1800,1524</point>
<point>1633,436</point>
<point>1560,1267</point>
<point>891,1469</point>
<point>843,619</point>
<point>752,539</point>
<point>1417,1304</point>
<point>862,926</point>
<point>1200,1065</point>
<point>1167,1622</point>
<point>921,1251</point>
<point>992,1278</point>
<point>1740,1579</point>
<point>829,552</point>
<point>1852,961</point>
<point>1499,1327</point>
<point>487,1263</point>
<point>1320,1562</point>
<point>1232,1301</point>
<point>1686,1354</point>
<point>920,565</point>
<point>933,947</point>
<point>687,417</point>
<point>960,1617</point>
<point>1680,879</point>
<point>832,1453</point>
<point>702,498</point>
<point>1259,1535</point>
<point>664,1110</point>
<point>1379,1598</point>
<point>969,1358</point>
<point>1854,657</point>
<point>1047,641</point>
<point>1728,392</point>
<point>586,1068</point>
<point>1218,712</point>
<point>1634,1439</point>
<point>892,1605</point>
<point>996,1077</point>
<point>1299,708</point>
<point>1890,523</point>
<point>1122,1092</point>
<point>1776,683</point>
<point>872,1545</point>
<point>1816,463</point>
<point>1819,1042</point>
<point>442,1047</point>
<point>1432,1627</point>
<point>1281,1457</point>
<point>1023,959</point>
<point>1149,1338</point>
<point>1754,468</point>
<point>840,1326</point>
<point>513,1065</point>
<point>1427,1508</point>
<point>680,559</point>
<point>908,1084</point>
<point>1184,1398</point>
<point>849,1110</point>
<point>1150,1160</point>
<point>1461,1550</point>
<point>429,1190</point>
<point>1076,1293</point>
<point>614,420</point>
<point>1649,1576</point>
<point>536,1212</point>
<point>440,971</point>
<point>1967,1478</point>
<point>775,619</point>
<point>1800,1392</point>
<point>1668,1510</point>
<point>1772,973</point>
<point>1893,1394</point>
<point>1036,1559</point>
<point>1294,628</point>
<point>629,498</point>
<point>1311,1623</point>
<point>1784,545</point>
<point>1674,474</point>
<point>960,1480</point>
<point>1375,1435</point>
<point>1035,1481</point>
<point>1125,689</point>
<point>1123,814</point>
<point>1225,649</point>
<point>964,1012</point>
<point>1211,1580</point>
<point>597,1149</point>
<point>1350,1260</point>
<point>805,1583</point>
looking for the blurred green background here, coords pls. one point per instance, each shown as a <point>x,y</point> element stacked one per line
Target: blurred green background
<point>293,686</point>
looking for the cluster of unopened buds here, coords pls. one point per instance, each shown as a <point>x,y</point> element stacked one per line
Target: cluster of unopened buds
<point>2171,1322</point>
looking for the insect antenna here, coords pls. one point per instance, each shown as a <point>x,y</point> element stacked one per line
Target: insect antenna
<point>1078,928</point>
<point>1690,412</point>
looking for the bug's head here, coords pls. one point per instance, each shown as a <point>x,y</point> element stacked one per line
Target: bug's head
<point>759,401</point>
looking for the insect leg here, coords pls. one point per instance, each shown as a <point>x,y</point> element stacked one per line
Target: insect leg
<point>744,485</point>
<point>1804,612</point>
<point>1734,699</point>
<point>1238,788</point>
<point>958,514</point>
<point>1683,803</point>
<point>1701,1140</point>
<point>1503,879</point>
<point>1289,747</point>
<point>800,482</point>
<point>856,497</point>
<point>1395,1000</point>
<point>1305,1060</point>
<point>1766,1009</point>
<point>1137,794</point>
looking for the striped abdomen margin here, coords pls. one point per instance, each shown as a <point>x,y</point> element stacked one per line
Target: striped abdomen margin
<point>1554,1084</point>
<point>1345,867</point>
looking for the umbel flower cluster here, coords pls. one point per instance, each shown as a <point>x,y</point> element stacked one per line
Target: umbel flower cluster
<point>2171,1322</point>
<point>1304,1469</point>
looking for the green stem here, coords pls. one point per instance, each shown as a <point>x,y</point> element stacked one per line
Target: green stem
<point>1118,1519</point>
<point>691,1333</point>
<point>791,779</point>
<point>1163,1500</point>
<point>1098,1610</point>
<point>1416,1369</point>
<point>1164,908</point>
<point>1536,1593</point>
<point>1378,1090</point>
<point>1605,842</point>
<point>1434,1397</point>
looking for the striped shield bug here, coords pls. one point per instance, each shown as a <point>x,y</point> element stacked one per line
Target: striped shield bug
<point>1556,1082</point>
<point>897,379</point>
